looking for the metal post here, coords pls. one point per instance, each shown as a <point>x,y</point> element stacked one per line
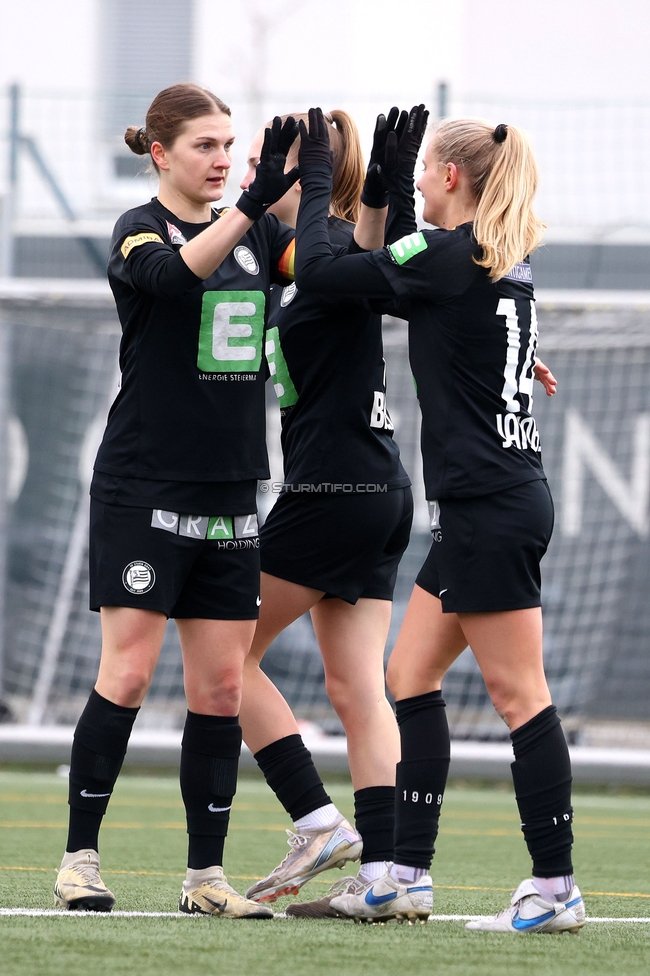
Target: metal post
<point>443,99</point>
<point>9,201</point>
<point>88,243</point>
<point>4,473</point>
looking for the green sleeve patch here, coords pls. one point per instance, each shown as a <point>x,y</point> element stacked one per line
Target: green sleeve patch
<point>284,388</point>
<point>407,247</point>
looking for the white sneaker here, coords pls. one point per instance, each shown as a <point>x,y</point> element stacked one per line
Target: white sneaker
<point>207,892</point>
<point>79,886</point>
<point>387,899</point>
<point>312,851</point>
<point>529,912</point>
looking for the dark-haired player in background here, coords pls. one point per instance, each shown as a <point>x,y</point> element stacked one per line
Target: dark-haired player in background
<point>472,340</point>
<point>333,541</point>
<point>173,528</point>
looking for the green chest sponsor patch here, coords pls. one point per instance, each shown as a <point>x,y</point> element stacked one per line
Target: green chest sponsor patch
<point>407,247</point>
<point>231,333</point>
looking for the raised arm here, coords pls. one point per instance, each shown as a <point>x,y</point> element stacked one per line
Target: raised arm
<point>316,267</point>
<point>390,179</point>
<point>399,169</point>
<point>205,252</point>
<point>369,233</point>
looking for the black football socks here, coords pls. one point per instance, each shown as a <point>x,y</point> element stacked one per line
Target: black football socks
<point>421,778</point>
<point>289,770</point>
<point>209,762</point>
<point>542,777</point>
<point>374,817</point>
<point>98,750</point>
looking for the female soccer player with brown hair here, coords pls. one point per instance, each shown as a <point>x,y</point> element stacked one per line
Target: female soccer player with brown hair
<point>468,295</point>
<point>173,529</point>
<point>333,540</point>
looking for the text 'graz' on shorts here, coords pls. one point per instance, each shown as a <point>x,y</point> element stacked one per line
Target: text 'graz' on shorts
<point>192,566</point>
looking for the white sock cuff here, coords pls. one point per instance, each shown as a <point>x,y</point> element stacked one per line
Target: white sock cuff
<point>550,888</point>
<point>373,870</point>
<point>322,817</point>
<point>405,874</point>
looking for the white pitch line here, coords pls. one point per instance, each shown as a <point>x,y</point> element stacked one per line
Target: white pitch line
<point>60,913</point>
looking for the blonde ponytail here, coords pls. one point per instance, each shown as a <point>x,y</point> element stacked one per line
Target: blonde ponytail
<point>503,174</point>
<point>349,169</point>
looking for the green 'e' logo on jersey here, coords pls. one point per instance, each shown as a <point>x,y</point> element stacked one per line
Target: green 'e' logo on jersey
<point>407,247</point>
<point>282,384</point>
<point>232,328</point>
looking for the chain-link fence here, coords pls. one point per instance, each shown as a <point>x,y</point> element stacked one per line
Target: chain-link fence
<point>593,155</point>
<point>59,350</point>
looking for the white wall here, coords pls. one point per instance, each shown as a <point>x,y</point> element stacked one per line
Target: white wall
<point>556,49</point>
<point>351,49</point>
<point>365,55</point>
<point>48,44</point>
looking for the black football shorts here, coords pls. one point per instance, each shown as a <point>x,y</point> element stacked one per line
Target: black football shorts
<point>486,551</point>
<point>348,545</point>
<point>182,565</point>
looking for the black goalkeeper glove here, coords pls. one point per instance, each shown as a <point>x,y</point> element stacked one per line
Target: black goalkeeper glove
<point>375,187</point>
<point>271,182</point>
<point>401,154</point>
<point>315,155</point>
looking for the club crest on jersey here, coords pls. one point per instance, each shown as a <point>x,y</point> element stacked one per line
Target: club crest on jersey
<point>407,247</point>
<point>246,260</point>
<point>138,577</point>
<point>288,295</point>
<point>175,236</point>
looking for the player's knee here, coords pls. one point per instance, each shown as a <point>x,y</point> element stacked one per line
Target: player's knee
<point>222,696</point>
<point>131,685</point>
<point>506,700</point>
<point>401,682</point>
<point>340,694</point>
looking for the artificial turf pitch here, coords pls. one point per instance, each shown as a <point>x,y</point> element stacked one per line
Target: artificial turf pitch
<point>481,857</point>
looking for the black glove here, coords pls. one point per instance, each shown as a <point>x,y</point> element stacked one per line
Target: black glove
<point>271,182</point>
<point>315,155</point>
<point>401,155</point>
<point>375,188</point>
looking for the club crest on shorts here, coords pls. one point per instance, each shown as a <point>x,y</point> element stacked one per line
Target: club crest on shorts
<point>138,577</point>
<point>246,260</point>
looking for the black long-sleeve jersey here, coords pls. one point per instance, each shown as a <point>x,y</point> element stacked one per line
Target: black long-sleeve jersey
<point>326,360</point>
<point>187,429</point>
<point>472,344</point>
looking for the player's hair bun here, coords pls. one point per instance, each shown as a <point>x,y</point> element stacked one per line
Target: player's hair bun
<point>500,132</point>
<point>137,140</point>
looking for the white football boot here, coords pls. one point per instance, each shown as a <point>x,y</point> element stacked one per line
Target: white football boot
<point>529,912</point>
<point>312,851</point>
<point>385,900</point>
